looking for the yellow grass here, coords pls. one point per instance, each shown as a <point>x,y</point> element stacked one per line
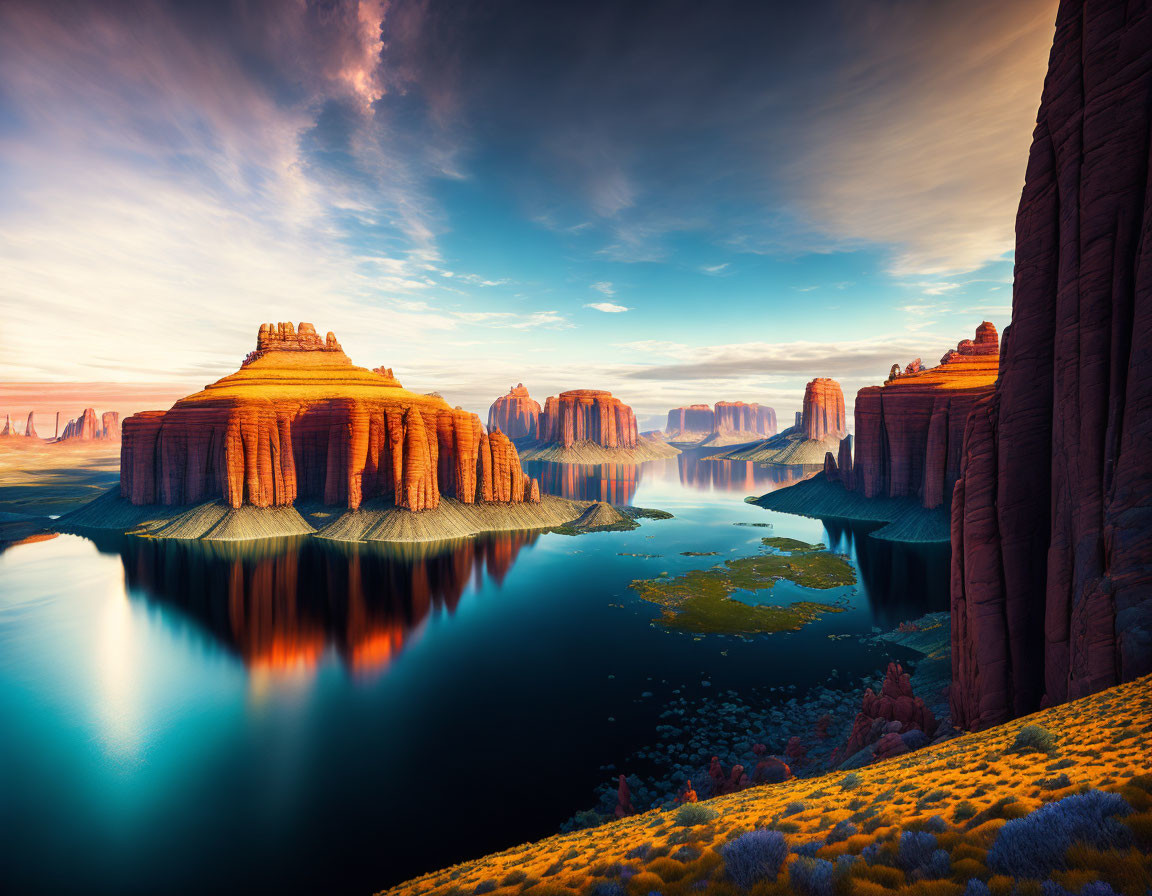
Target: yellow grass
<point>1102,742</point>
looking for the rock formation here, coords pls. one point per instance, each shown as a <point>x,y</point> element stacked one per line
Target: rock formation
<point>587,415</point>
<point>823,413</point>
<point>909,431</point>
<point>110,426</point>
<point>726,420</point>
<point>515,414</point>
<point>695,420</point>
<point>30,427</point>
<point>8,429</point>
<point>299,421</point>
<point>889,723</point>
<point>738,417</point>
<point>1052,514</point>
<point>85,427</point>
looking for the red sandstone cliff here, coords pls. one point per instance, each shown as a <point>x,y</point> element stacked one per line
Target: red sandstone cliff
<point>738,417</point>
<point>823,413</point>
<point>587,415</point>
<point>694,419</point>
<point>85,427</point>
<point>299,421</point>
<point>1052,514</point>
<point>909,431</point>
<point>515,414</point>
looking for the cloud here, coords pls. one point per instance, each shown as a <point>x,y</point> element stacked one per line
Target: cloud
<point>607,307</point>
<point>714,268</point>
<point>605,287</point>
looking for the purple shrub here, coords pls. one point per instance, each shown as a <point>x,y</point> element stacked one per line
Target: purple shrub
<point>811,877</point>
<point>977,887</point>
<point>916,849</point>
<point>754,856</point>
<point>1034,846</point>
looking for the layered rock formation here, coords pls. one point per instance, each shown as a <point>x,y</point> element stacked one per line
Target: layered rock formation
<point>823,413</point>
<point>697,420</point>
<point>88,427</point>
<point>587,415</point>
<point>728,420</point>
<point>892,722</point>
<point>738,417</point>
<point>515,414</point>
<point>299,422</point>
<point>909,431</point>
<point>1052,513</point>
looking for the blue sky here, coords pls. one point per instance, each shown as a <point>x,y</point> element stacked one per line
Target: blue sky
<point>679,202</point>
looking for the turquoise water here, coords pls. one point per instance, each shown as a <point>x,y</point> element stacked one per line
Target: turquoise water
<point>332,719</point>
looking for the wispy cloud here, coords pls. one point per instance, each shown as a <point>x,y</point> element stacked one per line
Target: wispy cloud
<point>604,287</point>
<point>607,307</point>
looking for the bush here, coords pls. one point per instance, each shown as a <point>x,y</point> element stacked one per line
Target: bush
<point>516,876</point>
<point>963,811</point>
<point>915,850</point>
<point>1033,739</point>
<point>977,887</point>
<point>609,888</point>
<point>850,781</point>
<point>485,886</point>
<point>842,831</point>
<point>811,877</point>
<point>810,848</point>
<point>694,813</point>
<point>793,808</point>
<point>1034,846</point>
<point>754,856</point>
<point>1058,783</point>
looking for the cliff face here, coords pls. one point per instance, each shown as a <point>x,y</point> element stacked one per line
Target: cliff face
<point>697,418</point>
<point>299,421</point>
<point>1052,515</point>
<point>736,416</point>
<point>85,427</point>
<point>909,431</point>
<point>823,413</point>
<point>587,415</point>
<point>515,414</point>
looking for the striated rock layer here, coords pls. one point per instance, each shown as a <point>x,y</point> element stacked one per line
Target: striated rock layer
<point>909,431</point>
<point>727,418</point>
<point>299,421</point>
<point>1052,514</point>
<point>515,414</point>
<point>823,413</point>
<point>696,419</point>
<point>587,415</point>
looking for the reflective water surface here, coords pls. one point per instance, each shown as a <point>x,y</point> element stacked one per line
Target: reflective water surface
<point>317,717</point>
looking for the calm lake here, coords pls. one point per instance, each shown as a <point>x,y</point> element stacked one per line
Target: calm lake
<point>320,718</point>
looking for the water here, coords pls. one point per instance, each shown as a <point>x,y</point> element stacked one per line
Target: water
<point>324,718</point>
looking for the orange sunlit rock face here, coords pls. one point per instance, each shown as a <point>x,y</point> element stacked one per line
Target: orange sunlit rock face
<point>88,427</point>
<point>515,414</point>
<point>300,421</point>
<point>587,415</point>
<point>823,413</point>
<point>910,430</point>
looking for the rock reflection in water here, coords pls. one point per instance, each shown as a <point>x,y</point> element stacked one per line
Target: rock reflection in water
<point>614,483</point>
<point>742,476</point>
<point>282,604</point>
<point>903,580</point>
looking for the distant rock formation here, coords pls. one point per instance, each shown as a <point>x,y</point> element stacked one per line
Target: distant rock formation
<point>515,414</point>
<point>8,429</point>
<point>728,422</point>
<point>1052,514</point>
<point>823,414</point>
<point>89,427</point>
<point>909,431</point>
<point>890,723</point>
<point>30,426</point>
<point>587,415</point>
<point>299,421</point>
<point>695,420</point>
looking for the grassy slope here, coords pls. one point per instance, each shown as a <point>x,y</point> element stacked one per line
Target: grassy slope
<point>972,783</point>
<point>907,520</point>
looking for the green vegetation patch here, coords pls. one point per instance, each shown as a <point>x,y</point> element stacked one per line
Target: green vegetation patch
<point>700,600</point>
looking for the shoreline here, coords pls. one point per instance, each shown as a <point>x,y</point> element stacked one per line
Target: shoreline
<point>374,523</point>
<point>899,519</point>
<point>593,454</point>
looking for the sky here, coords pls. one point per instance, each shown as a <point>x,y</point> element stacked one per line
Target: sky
<point>679,202</point>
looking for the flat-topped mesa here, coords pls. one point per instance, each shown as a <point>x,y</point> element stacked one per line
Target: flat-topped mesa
<point>298,421</point>
<point>740,417</point>
<point>823,415</point>
<point>587,415</point>
<point>515,414</point>
<point>1052,515</point>
<point>910,430</point>
<point>697,419</point>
